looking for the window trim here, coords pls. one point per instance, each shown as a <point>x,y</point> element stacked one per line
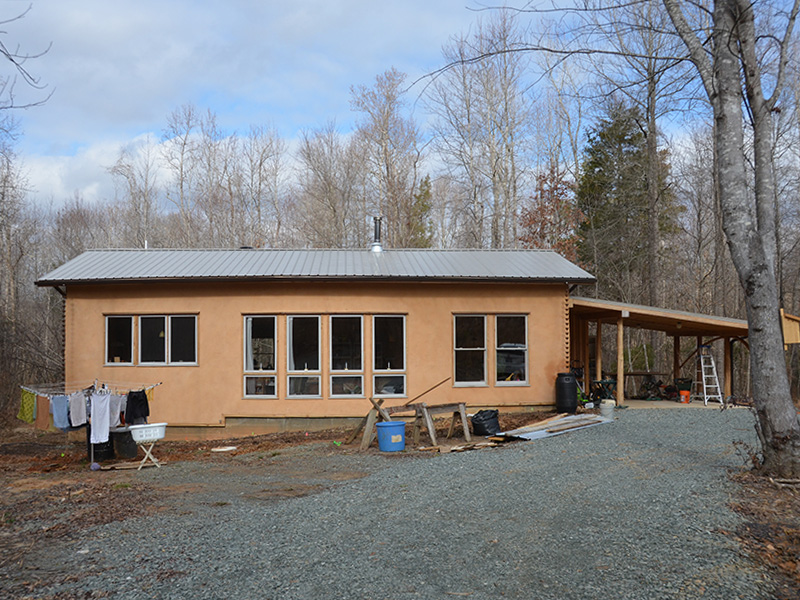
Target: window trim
<point>108,363</point>
<point>376,372</point>
<point>255,373</point>
<point>153,363</point>
<point>187,363</point>
<point>485,381</point>
<point>309,373</point>
<point>497,350</point>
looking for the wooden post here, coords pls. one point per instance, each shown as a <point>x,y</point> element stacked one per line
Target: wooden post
<point>598,352</point>
<point>727,384</point>
<point>676,356</point>
<point>620,363</point>
<point>587,376</point>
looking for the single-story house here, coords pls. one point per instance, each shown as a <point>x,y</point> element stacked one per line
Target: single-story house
<point>253,339</point>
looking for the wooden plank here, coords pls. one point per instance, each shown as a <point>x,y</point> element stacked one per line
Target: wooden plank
<point>573,425</point>
<point>384,415</point>
<point>372,418</point>
<point>129,465</point>
<point>536,426</point>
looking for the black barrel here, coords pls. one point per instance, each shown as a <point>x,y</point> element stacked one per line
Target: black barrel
<point>566,393</point>
<point>98,452</point>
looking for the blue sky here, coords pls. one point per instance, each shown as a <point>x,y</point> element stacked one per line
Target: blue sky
<point>117,68</point>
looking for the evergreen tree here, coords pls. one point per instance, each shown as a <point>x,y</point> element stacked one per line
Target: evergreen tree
<point>612,196</point>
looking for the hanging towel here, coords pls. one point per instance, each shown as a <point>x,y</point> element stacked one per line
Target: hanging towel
<point>27,406</point>
<point>117,406</point>
<point>42,413</point>
<point>77,409</point>
<point>137,409</point>
<point>60,407</point>
<point>100,402</point>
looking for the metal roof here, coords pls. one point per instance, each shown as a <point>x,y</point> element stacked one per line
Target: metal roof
<point>672,322</point>
<point>124,266</point>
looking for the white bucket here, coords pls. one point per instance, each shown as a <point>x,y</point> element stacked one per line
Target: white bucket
<point>607,409</point>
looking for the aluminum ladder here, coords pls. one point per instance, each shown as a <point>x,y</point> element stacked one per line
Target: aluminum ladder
<point>706,385</point>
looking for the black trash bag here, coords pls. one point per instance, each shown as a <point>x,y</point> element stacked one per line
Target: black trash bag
<point>485,422</point>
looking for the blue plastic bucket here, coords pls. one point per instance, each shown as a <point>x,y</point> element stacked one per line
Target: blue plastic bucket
<point>391,436</point>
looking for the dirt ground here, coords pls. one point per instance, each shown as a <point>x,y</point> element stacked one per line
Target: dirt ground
<point>49,491</point>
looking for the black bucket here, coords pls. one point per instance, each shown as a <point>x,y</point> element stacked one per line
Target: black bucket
<point>566,393</point>
<point>486,422</point>
<point>104,451</point>
<point>124,446</point>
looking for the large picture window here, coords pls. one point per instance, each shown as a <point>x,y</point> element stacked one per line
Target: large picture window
<point>512,349</point>
<point>389,354</point>
<point>119,340</point>
<point>347,378</point>
<point>303,356</point>
<point>260,378</point>
<point>470,349</point>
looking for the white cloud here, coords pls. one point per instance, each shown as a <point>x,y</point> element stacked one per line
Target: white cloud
<point>117,69</point>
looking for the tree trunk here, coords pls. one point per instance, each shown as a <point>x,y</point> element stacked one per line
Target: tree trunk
<point>752,255</point>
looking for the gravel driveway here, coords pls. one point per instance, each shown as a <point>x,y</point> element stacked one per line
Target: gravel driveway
<point>634,509</point>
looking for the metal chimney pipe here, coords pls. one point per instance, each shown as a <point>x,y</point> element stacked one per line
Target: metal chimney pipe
<point>376,242</point>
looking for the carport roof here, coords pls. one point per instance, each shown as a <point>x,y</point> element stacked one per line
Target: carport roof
<point>672,322</point>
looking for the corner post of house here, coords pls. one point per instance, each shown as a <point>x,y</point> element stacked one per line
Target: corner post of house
<point>727,382</point>
<point>621,359</point>
<point>676,356</point>
<point>598,352</point>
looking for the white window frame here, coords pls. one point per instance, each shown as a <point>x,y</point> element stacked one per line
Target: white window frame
<point>169,341</point>
<point>376,373</point>
<point>166,338</point>
<point>292,374</point>
<point>106,362</point>
<point>498,349</point>
<point>259,373</point>
<point>341,373</point>
<point>484,382</point>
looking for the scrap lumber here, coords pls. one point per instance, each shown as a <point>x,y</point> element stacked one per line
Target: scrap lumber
<point>574,425</point>
<point>535,426</point>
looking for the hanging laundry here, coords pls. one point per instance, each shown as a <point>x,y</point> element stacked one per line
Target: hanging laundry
<point>42,413</point>
<point>137,409</point>
<point>118,403</point>
<point>77,409</point>
<point>100,402</point>
<point>60,407</point>
<point>27,406</point>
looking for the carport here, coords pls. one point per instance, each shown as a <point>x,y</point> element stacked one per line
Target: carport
<point>706,329</point>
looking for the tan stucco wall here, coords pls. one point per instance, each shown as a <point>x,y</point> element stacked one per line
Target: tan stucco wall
<point>212,390</point>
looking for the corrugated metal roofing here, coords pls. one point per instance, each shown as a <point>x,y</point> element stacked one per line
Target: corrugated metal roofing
<point>103,266</point>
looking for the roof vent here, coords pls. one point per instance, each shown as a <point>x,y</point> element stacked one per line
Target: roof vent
<point>376,242</point>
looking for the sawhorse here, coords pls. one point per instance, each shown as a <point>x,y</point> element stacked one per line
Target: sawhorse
<point>422,417</point>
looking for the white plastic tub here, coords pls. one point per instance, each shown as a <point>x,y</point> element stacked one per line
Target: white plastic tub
<point>145,434</point>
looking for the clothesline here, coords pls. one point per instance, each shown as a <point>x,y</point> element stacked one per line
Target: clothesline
<point>65,387</point>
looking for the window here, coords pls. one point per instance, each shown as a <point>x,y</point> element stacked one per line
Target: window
<point>347,377</point>
<point>389,353</point>
<point>119,340</point>
<point>303,356</point>
<point>512,350</point>
<point>259,356</point>
<point>183,339</point>
<point>152,339</point>
<point>470,349</point>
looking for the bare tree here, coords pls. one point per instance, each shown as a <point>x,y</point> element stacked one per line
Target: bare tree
<point>136,172</point>
<point>393,150</point>
<point>482,131</point>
